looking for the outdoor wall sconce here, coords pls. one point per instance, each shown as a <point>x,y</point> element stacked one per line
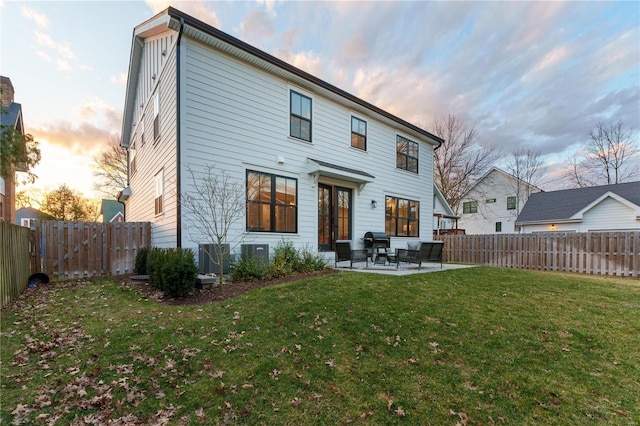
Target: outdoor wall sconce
<point>374,204</point>
<point>553,227</point>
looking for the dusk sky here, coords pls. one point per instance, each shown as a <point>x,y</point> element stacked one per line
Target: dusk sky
<point>536,75</point>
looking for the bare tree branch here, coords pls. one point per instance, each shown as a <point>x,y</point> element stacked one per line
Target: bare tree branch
<point>460,161</point>
<point>607,157</point>
<point>110,169</point>
<point>525,166</point>
<point>214,204</point>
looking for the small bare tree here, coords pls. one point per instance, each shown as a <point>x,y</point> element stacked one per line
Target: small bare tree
<point>525,165</point>
<point>460,160</point>
<point>214,204</point>
<point>607,157</point>
<point>110,169</point>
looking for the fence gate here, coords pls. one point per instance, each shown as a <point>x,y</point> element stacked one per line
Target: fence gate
<point>69,250</point>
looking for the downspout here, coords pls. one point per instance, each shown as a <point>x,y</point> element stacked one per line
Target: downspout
<point>178,134</point>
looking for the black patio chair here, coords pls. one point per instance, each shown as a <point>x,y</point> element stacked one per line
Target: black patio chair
<point>344,253</point>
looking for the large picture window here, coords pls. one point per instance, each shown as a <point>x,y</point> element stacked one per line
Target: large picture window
<point>272,203</point>
<point>300,116</point>
<point>402,217</point>
<point>406,154</point>
<point>358,133</point>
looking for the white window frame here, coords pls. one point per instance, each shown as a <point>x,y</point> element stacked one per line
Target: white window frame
<point>159,193</point>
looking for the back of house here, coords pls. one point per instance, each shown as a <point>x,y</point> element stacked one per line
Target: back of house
<point>315,163</point>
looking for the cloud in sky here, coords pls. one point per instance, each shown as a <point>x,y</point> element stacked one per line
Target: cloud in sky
<point>40,19</point>
<point>195,8</point>
<point>526,74</point>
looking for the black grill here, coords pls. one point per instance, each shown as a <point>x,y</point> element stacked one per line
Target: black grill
<point>373,240</point>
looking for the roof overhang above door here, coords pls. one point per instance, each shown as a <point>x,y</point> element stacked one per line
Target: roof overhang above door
<point>317,168</point>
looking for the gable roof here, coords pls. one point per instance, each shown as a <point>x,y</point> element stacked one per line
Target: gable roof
<point>572,203</point>
<point>448,210</point>
<point>12,116</point>
<point>507,175</point>
<point>110,209</point>
<point>180,21</point>
<point>31,213</point>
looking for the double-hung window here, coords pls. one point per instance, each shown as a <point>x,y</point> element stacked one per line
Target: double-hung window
<point>358,133</point>
<point>156,117</point>
<point>300,116</point>
<point>402,217</point>
<point>470,207</point>
<point>159,180</point>
<point>511,203</point>
<point>272,203</point>
<point>406,154</point>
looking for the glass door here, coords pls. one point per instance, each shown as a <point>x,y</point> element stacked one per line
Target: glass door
<point>334,215</point>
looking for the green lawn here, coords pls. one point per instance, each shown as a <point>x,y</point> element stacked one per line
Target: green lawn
<point>471,346</point>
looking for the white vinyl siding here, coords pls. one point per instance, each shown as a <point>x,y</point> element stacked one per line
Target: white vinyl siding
<point>236,117</point>
<point>155,156</point>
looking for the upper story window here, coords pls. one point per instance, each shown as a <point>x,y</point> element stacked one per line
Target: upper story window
<point>156,117</point>
<point>470,207</point>
<point>272,203</point>
<point>159,181</point>
<point>511,203</point>
<point>406,154</point>
<point>402,217</point>
<point>490,200</point>
<point>358,133</point>
<point>142,133</point>
<point>300,116</point>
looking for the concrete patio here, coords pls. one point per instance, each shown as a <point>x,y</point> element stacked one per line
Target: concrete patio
<point>390,269</point>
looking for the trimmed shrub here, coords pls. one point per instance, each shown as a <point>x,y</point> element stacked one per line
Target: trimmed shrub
<point>155,262</point>
<point>248,269</point>
<point>179,273</point>
<point>141,261</point>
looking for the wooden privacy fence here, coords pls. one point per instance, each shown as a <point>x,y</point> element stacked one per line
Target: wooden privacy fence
<point>70,250</point>
<point>601,253</point>
<point>14,261</point>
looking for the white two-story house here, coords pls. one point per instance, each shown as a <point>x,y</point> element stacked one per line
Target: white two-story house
<point>492,204</point>
<point>317,163</point>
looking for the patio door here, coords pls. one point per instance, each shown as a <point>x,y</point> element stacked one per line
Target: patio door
<point>334,215</point>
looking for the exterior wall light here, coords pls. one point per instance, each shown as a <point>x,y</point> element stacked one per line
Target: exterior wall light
<point>374,204</point>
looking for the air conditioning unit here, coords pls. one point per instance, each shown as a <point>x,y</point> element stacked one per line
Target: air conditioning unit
<point>259,252</point>
<point>206,265</point>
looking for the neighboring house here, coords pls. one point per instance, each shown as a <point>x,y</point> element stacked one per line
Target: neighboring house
<point>598,208</point>
<point>25,215</point>
<point>317,164</point>
<point>11,116</point>
<point>493,203</point>
<point>445,221</point>
<point>112,211</point>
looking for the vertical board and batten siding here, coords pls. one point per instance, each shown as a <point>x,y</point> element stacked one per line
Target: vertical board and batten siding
<point>152,63</point>
<point>73,250</point>
<point>156,156</point>
<point>236,117</point>
<point>602,253</point>
<point>15,259</point>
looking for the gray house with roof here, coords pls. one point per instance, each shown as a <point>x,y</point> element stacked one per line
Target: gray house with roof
<point>11,117</point>
<point>598,208</point>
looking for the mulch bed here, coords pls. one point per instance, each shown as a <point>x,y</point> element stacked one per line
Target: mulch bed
<point>213,293</point>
